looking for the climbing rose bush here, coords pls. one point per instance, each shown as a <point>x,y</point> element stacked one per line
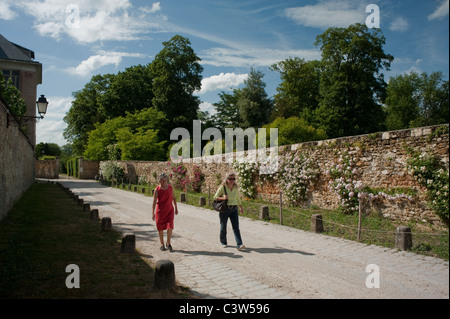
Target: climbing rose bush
<point>296,174</point>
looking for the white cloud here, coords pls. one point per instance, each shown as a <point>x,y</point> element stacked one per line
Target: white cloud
<point>252,57</point>
<point>90,21</point>
<point>207,107</point>
<point>156,6</point>
<point>88,66</point>
<point>93,63</point>
<point>221,82</point>
<point>5,10</point>
<point>328,14</point>
<point>441,12</point>
<point>399,24</point>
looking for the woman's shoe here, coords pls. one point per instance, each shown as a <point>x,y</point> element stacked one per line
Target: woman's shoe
<point>162,248</point>
<point>169,247</point>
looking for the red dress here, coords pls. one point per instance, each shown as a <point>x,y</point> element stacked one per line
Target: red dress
<point>164,209</point>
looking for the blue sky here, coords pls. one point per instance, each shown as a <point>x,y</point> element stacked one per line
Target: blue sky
<point>75,39</point>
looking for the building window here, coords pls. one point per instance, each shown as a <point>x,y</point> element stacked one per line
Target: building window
<point>14,75</point>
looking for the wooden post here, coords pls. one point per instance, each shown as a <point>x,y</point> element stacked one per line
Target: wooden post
<point>128,243</point>
<point>264,213</point>
<point>403,238</point>
<point>360,202</point>
<point>316,223</point>
<point>164,275</point>
<point>281,208</point>
<point>106,224</point>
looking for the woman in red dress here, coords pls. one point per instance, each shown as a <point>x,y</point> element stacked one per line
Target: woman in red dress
<point>164,215</point>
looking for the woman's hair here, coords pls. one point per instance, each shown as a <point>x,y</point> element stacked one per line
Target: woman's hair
<point>228,175</point>
<point>163,175</point>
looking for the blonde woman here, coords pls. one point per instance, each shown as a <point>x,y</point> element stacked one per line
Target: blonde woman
<point>164,215</point>
<point>229,190</point>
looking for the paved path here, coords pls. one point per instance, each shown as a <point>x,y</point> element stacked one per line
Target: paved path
<point>280,262</point>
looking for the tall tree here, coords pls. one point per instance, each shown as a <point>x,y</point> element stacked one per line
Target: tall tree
<point>416,100</point>
<point>254,105</point>
<point>177,75</point>
<point>298,93</point>
<point>227,110</point>
<point>352,85</point>
<point>86,110</point>
<point>130,91</point>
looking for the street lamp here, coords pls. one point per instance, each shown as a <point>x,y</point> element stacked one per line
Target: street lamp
<point>42,104</point>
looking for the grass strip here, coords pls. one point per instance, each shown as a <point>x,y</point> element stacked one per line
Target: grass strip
<point>46,231</point>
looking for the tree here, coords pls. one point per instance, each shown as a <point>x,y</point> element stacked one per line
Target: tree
<point>254,105</point>
<point>298,93</point>
<point>86,111</point>
<point>47,149</point>
<point>129,91</point>
<point>136,135</point>
<point>294,130</point>
<point>352,86</point>
<point>177,75</point>
<point>417,100</point>
<point>227,110</point>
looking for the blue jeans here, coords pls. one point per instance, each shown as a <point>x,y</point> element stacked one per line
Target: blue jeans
<point>232,214</point>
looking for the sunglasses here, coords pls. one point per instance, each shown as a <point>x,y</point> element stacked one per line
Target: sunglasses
<point>232,179</point>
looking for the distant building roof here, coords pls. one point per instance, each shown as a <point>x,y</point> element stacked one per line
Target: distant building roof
<point>12,51</point>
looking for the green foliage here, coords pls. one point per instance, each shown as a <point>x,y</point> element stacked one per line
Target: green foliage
<point>294,130</point>
<point>227,110</point>
<point>85,112</point>
<point>432,174</point>
<point>47,149</point>
<point>72,167</point>
<point>254,105</point>
<point>352,86</point>
<point>415,100</point>
<point>136,135</point>
<point>177,75</point>
<point>12,97</point>
<point>298,93</point>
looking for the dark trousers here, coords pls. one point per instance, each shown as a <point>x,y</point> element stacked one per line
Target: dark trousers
<point>232,214</point>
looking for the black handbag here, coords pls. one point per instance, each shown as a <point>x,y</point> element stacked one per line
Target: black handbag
<point>222,205</point>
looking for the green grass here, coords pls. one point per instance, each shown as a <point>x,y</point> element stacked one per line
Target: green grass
<point>376,230</point>
<point>46,231</point>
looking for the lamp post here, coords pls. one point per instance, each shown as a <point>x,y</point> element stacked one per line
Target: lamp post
<point>42,104</point>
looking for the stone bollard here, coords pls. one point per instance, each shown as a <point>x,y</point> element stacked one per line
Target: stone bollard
<point>183,198</point>
<point>165,275</point>
<point>264,213</point>
<point>403,238</point>
<point>80,202</point>
<point>129,187</point>
<point>128,243</point>
<point>86,208</point>
<point>94,214</point>
<point>202,201</point>
<point>143,190</point>
<point>106,224</point>
<point>316,223</point>
<point>134,188</point>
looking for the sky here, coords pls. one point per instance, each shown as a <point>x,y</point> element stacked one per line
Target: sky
<point>76,39</point>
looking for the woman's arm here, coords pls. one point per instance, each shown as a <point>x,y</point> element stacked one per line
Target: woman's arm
<point>155,198</point>
<point>174,202</point>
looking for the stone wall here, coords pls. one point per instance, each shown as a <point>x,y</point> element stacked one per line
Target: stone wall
<point>47,168</point>
<point>87,169</point>
<point>16,161</point>
<point>380,160</point>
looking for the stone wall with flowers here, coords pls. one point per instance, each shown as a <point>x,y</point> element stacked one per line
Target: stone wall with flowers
<point>330,174</point>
